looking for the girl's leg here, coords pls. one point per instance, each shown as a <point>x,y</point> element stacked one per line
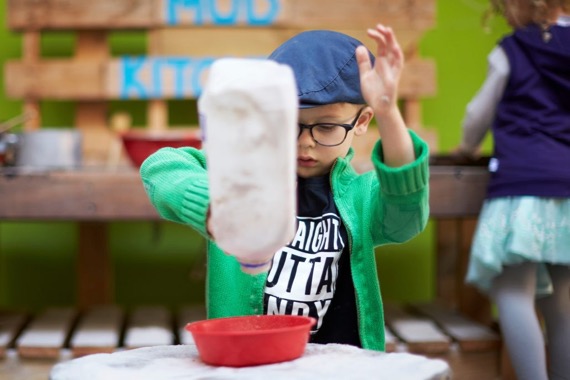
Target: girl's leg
<point>555,310</point>
<point>514,293</point>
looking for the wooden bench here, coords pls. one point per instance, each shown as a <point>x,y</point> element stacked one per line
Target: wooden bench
<point>420,329</point>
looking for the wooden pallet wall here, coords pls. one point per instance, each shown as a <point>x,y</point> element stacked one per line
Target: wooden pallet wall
<point>150,14</point>
<point>184,38</point>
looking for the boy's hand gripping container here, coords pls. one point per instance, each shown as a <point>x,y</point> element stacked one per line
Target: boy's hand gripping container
<point>248,115</point>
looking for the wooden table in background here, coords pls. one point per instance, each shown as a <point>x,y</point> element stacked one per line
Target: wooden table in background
<point>90,197</point>
<point>93,197</point>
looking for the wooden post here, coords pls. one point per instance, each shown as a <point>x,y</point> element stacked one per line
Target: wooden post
<point>413,117</point>
<point>91,116</point>
<point>94,267</point>
<point>31,55</point>
<point>157,114</point>
<point>507,370</point>
<point>447,238</point>
<point>454,238</point>
<point>471,301</point>
<point>157,111</point>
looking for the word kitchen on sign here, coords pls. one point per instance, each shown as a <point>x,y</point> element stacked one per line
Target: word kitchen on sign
<point>183,77</point>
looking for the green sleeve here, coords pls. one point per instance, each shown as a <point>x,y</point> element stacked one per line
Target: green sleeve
<point>404,194</point>
<point>176,182</point>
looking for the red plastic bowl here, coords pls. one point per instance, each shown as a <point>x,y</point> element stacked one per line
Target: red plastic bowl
<point>139,144</point>
<point>251,340</point>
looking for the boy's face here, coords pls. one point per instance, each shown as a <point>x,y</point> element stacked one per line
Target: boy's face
<point>314,159</point>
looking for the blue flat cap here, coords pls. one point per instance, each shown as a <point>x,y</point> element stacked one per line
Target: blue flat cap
<point>325,67</point>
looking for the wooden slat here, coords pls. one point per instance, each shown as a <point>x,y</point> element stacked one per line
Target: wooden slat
<point>135,14</point>
<point>119,194</point>
<point>10,325</point>
<point>447,259</point>
<point>95,285</point>
<point>186,315</point>
<point>420,334</point>
<point>413,118</point>
<point>418,14</point>
<point>91,116</point>
<point>120,122</point>
<point>149,326</point>
<point>98,331</point>
<point>218,41</point>
<point>96,138</point>
<point>391,340</point>
<point>31,55</point>
<point>457,191</point>
<point>472,365</point>
<point>32,107</point>
<point>471,302</point>
<point>91,45</point>
<point>157,109</point>
<point>507,370</point>
<point>56,79</point>
<point>47,334</point>
<point>83,195</point>
<point>157,115</point>
<point>80,14</point>
<point>470,335</point>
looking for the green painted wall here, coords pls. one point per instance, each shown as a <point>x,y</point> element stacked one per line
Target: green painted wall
<point>460,45</point>
<point>162,263</point>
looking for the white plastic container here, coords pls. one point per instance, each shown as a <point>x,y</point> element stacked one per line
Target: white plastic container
<point>248,115</point>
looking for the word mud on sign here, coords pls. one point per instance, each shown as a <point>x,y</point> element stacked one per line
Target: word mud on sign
<point>221,12</point>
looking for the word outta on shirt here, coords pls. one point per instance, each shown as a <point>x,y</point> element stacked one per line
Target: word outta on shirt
<point>303,275</point>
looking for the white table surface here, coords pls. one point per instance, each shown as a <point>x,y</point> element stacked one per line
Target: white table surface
<point>332,361</point>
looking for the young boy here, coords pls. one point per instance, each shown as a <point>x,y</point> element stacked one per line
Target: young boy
<point>341,87</point>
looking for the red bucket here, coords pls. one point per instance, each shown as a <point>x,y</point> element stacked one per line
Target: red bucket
<point>139,144</point>
<point>251,340</point>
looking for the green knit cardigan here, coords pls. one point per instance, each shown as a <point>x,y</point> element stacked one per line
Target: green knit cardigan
<point>383,206</point>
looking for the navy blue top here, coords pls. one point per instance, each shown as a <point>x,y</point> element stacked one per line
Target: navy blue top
<point>320,281</point>
<point>532,127</point>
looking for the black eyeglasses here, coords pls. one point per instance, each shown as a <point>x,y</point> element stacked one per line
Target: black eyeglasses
<point>329,134</point>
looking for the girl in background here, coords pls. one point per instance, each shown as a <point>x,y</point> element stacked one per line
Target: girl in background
<point>520,254</point>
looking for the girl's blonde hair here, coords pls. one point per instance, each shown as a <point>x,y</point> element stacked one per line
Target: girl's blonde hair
<point>541,9</point>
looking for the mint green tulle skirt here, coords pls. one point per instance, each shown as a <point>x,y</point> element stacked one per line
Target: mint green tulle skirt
<point>512,230</point>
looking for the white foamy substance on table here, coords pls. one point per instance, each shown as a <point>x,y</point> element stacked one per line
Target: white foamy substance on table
<point>332,361</point>
<point>248,113</point>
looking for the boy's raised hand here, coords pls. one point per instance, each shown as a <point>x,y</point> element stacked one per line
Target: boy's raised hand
<point>379,82</point>
<point>379,86</point>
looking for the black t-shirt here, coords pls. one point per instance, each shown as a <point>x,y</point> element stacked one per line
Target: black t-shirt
<point>311,276</point>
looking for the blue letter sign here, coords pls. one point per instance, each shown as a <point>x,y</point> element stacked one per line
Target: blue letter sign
<point>200,12</point>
